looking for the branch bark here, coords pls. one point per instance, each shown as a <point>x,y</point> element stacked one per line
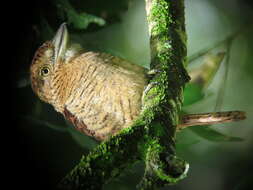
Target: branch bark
<point>151,137</point>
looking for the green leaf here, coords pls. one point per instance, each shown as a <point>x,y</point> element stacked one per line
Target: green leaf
<point>213,135</point>
<point>23,82</point>
<point>45,30</point>
<point>192,93</point>
<point>80,138</point>
<point>185,139</point>
<point>204,74</point>
<point>81,21</point>
<point>45,123</point>
<point>183,145</point>
<point>78,20</point>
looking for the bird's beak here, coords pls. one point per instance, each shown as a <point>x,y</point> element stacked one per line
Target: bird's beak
<point>60,41</point>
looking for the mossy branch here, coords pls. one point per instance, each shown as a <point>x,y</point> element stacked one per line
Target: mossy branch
<point>151,137</point>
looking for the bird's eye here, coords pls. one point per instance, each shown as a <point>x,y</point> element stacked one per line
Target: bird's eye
<point>44,71</point>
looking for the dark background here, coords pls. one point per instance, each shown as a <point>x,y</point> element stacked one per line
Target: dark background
<point>38,156</point>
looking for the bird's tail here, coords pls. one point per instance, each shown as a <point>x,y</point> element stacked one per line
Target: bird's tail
<point>210,118</point>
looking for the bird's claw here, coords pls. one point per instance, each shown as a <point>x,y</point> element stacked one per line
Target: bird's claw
<point>153,72</point>
<point>147,89</point>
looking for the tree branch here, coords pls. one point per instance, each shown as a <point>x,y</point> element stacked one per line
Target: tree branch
<point>151,137</point>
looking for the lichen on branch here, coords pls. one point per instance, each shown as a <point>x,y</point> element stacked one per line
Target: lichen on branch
<point>151,138</point>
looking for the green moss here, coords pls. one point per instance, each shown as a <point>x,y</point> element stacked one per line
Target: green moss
<point>151,137</point>
<point>166,35</point>
<point>159,15</point>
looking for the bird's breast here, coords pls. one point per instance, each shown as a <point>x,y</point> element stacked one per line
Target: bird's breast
<point>100,97</point>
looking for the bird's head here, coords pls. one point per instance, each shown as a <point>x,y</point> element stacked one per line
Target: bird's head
<point>47,60</point>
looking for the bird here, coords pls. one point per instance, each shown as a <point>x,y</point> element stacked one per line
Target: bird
<point>100,94</point>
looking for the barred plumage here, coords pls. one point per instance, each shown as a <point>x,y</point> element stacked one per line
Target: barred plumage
<point>99,93</point>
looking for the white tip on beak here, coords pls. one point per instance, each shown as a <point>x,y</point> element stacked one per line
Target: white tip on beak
<point>60,41</point>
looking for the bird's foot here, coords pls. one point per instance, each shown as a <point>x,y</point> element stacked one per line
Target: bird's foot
<point>147,89</point>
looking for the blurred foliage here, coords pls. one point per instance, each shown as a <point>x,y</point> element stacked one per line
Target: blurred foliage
<point>192,94</point>
<point>78,20</point>
<point>53,147</point>
<point>212,135</point>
